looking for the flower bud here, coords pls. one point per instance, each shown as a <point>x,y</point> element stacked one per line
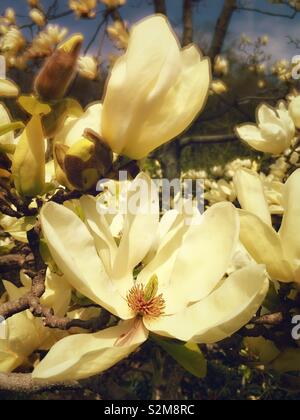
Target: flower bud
<point>59,70</point>
<point>28,164</point>
<point>84,163</point>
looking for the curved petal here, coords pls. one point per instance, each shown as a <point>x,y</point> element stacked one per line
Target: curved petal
<point>221,314</point>
<point>8,89</point>
<point>152,57</point>
<point>28,166</point>
<point>5,119</point>
<point>267,115</point>
<point>251,194</point>
<point>140,229</point>
<point>252,135</point>
<point>179,107</point>
<point>99,228</point>
<point>58,294</point>
<point>23,337</point>
<point>74,252</point>
<point>264,245</point>
<point>198,261</point>
<point>83,355</point>
<point>290,227</point>
<point>155,90</point>
<point>74,128</point>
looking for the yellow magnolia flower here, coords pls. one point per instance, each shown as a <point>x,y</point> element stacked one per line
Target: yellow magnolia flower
<point>88,67</point>
<point>114,3</point>
<point>274,131</point>
<point>153,94</point>
<point>119,35</point>
<point>25,333</point>
<point>83,8</point>
<point>47,40</point>
<point>218,87</point>
<point>279,251</point>
<point>180,293</point>
<point>221,66</point>
<point>13,41</point>
<point>37,17</point>
<point>28,166</point>
<point>155,90</point>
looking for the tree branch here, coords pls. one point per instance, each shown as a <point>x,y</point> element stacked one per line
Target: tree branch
<point>187,22</point>
<point>23,383</point>
<point>160,6</point>
<point>222,28</point>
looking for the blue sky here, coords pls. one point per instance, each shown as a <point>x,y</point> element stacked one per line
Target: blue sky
<point>250,23</point>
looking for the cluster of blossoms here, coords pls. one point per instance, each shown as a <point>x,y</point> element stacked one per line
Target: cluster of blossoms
<point>197,278</point>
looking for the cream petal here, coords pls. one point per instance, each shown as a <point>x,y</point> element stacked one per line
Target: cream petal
<point>152,60</point>
<point>193,262</point>
<point>178,108</point>
<point>8,89</point>
<point>140,229</point>
<point>252,135</point>
<point>264,245</point>
<point>74,252</point>
<point>4,120</point>
<point>83,355</point>
<point>251,194</point>
<point>267,115</point>
<point>58,293</point>
<point>155,90</point>
<point>74,128</point>
<point>290,227</point>
<point>221,314</point>
<point>23,337</point>
<point>99,228</point>
<point>249,132</point>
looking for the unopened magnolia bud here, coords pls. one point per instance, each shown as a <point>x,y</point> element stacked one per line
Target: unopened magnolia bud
<point>59,70</point>
<point>85,163</point>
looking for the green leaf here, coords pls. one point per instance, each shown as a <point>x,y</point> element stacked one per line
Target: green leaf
<point>188,355</point>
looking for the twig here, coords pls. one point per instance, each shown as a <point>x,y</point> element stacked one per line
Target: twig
<point>29,300</point>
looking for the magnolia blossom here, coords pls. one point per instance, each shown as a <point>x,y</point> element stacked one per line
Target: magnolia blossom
<point>113,3</point>
<point>37,17</point>
<point>274,131</point>
<point>154,92</point>
<point>219,87</point>
<point>279,251</point>
<point>83,7</point>
<point>23,332</point>
<point>180,292</point>
<point>118,33</point>
<point>221,66</point>
<point>88,67</point>
<point>13,41</point>
<point>47,40</point>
